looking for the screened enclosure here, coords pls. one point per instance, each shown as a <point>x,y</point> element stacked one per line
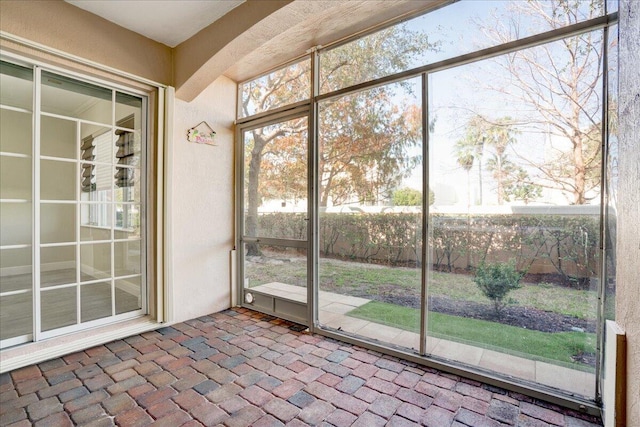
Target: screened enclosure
<point>443,188</point>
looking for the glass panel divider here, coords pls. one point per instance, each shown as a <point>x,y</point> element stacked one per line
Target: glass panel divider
<point>37,79</point>
<point>78,190</point>
<point>424,282</point>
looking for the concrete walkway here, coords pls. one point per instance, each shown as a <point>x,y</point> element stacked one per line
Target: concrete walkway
<point>240,368</point>
<point>333,309</point>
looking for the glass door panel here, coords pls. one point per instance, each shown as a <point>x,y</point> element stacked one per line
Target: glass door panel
<point>59,308</point>
<point>275,218</point>
<point>275,192</point>
<point>95,301</point>
<point>370,221</point>
<point>15,131</point>
<point>16,292</point>
<point>128,294</point>
<point>16,204</point>
<point>86,194</point>
<point>58,137</point>
<point>15,174</point>
<point>514,230</point>
<point>74,98</point>
<point>57,222</point>
<point>58,266</point>
<point>55,177</point>
<point>15,223</point>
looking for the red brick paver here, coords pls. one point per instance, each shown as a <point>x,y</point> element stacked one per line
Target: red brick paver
<point>242,368</point>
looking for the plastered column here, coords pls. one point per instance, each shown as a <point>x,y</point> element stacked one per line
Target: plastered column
<point>628,243</point>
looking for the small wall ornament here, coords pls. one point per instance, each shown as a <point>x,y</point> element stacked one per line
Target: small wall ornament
<point>201,134</point>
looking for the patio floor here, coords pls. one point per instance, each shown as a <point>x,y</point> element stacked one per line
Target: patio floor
<point>241,368</point>
<point>334,307</point>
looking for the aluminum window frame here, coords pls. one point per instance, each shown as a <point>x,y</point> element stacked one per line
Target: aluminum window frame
<point>532,389</point>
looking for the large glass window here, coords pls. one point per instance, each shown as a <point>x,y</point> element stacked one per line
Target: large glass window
<point>457,29</point>
<point>515,225</point>
<point>279,88</point>
<point>82,195</point>
<point>370,201</point>
<point>460,207</point>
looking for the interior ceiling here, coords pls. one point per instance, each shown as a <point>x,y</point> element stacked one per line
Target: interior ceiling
<point>166,21</point>
<point>307,23</point>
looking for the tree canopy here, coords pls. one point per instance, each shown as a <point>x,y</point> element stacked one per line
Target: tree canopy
<point>560,83</point>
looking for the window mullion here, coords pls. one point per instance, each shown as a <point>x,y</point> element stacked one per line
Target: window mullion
<point>35,220</point>
<point>77,224</point>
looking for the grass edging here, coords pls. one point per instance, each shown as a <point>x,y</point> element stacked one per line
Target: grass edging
<point>556,348</point>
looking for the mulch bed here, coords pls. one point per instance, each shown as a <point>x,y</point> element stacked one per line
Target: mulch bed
<point>523,317</point>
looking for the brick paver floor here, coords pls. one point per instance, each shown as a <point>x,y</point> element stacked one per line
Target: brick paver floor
<point>240,368</point>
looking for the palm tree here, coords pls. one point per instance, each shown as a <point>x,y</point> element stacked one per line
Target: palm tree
<point>465,156</point>
<point>500,135</point>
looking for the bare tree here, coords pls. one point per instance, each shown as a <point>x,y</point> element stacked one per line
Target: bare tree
<point>561,83</point>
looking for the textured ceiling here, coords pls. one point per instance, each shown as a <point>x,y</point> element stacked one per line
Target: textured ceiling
<point>167,21</point>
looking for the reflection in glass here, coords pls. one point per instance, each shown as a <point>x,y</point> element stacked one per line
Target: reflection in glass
<point>276,180</point>
<point>15,178</point>
<point>128,106</point>
<point>128,294</point>
<point>17,265</point>
<point>292,83</point>
<point>15,223</point>
<point>16,315</point>
<point>57,180</point>
<point>131,191</point>
<point>58,308</point>
<point>57,222</point>
<point>57,265</point>
<point>278,270</point>
<point>127,258</point>
<point>96,182</point>
<point>96,221</point>
<point>16,86</point>
<point>74,98</point>
<point>127,184</point>
<point>15,132</point>
<point>370,172</point>
<point>95,261</point>
<point>127,221</point>
<point>95,301</point>
<point>58,138</point>
<point>97,143</point>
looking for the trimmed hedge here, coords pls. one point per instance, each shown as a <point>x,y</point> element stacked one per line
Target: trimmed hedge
<point>566,245</point>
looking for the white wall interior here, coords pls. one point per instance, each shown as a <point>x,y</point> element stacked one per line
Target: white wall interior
<point>201,204</point>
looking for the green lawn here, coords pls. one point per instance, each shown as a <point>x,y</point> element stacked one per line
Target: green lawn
<point>347,278</point>
<point>551,347</point>
<point>341,277</point>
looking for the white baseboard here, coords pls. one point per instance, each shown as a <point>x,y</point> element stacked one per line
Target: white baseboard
<point>130,288</point>
<point>26,269</point>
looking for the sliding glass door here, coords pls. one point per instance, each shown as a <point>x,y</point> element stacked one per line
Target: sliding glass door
<point>73,162</point>
<point>16,203</point>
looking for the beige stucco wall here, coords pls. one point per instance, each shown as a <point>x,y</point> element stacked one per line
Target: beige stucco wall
<point>201,204</point>
<point>628,244</point>
<point>59,25</point>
